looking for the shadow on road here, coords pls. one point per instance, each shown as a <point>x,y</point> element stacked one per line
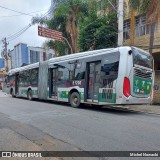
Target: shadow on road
<point>105,109</point>
<point>109,109</point>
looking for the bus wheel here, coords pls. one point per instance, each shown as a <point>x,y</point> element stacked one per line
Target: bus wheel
<point>29,95</point>
<point>75,100</point>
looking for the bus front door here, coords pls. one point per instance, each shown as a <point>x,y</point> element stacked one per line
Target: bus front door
<point>93,81</point>
<point>54,83</point>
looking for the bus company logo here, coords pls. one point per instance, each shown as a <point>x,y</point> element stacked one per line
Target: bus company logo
<point>143,82</point>
<point>6,154</point>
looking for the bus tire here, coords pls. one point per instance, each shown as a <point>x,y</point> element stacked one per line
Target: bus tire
<point>29,95</point>
<point>75,100</point>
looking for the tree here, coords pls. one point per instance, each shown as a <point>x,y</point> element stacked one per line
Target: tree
<point>102,33</point>
<point>72,11</point>
<point>99,29</point>
<point>74,18</point>
<point>65,19</point>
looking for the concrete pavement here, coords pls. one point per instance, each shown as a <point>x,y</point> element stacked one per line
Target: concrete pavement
<point>55,126</point>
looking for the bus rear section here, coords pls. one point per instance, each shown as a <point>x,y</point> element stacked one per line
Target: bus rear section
<point>137,80</point>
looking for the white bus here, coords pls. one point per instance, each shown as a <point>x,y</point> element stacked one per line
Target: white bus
<point>122,75</point>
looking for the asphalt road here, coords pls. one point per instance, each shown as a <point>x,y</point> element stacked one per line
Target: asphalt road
<point>53,126</point>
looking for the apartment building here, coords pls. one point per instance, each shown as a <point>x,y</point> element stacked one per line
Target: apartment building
<point>142,40</point>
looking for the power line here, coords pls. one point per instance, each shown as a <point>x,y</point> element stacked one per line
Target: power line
<point>21,14</point>
<point>19,32</point>
<point>15,11</point>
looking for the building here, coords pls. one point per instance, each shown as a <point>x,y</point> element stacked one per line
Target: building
<point>142,40</point>
<point>37,54</point>
<point>1,63</point>
<point>23,55</point>
<point>19,55</point>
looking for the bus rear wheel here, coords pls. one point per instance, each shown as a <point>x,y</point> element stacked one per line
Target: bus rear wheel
<point>29,95</point>
<point>75,100</point>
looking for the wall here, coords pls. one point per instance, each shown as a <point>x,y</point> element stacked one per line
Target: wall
<point>156,92</point>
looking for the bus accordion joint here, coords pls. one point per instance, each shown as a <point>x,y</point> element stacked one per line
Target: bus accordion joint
<point>126,87</point>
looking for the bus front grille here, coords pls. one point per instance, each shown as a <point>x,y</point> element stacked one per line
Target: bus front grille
<point>142,73</point>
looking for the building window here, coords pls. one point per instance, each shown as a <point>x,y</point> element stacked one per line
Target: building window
<point>142,27</point>
<point>34,56</point>
<point>126,29</point>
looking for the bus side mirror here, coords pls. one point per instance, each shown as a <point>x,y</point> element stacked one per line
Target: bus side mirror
<point>130,52</point>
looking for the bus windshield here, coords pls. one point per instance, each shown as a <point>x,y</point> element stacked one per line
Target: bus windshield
<point>141,58</point>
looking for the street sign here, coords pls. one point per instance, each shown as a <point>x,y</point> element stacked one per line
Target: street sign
<point>49,33</point>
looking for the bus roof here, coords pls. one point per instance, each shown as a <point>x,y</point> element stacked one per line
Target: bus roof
<point>71,57</point>
<point>31,66</point>
<point>81,55</point>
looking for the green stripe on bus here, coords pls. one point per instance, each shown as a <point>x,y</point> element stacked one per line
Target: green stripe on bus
<point>112,98</point>
<point>65,94</point>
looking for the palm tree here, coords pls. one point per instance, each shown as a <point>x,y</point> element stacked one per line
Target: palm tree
<point>65,18</point>
<point>151,8</point>
<point>72,10</point>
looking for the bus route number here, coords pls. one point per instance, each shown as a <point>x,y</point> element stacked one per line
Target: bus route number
<point>76,83</point>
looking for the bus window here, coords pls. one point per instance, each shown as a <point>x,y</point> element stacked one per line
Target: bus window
<point>141,58</point>
<point>80,76</point>
<point>109,72</point>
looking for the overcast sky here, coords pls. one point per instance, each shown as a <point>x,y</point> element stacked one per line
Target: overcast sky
<point>10,24</point>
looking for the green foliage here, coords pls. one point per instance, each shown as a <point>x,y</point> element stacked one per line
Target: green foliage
<point>78,19</point>
<point>140,5</point>
<point>58,46</point>
<point>100,33</point>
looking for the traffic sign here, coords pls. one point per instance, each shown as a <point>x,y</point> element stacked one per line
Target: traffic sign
<point>49,33</point>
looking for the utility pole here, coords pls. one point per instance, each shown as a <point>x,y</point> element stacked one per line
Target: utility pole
<point>5,54</point>
<point>120,22</point>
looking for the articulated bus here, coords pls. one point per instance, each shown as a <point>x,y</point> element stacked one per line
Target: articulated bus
<point>122,75</point>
